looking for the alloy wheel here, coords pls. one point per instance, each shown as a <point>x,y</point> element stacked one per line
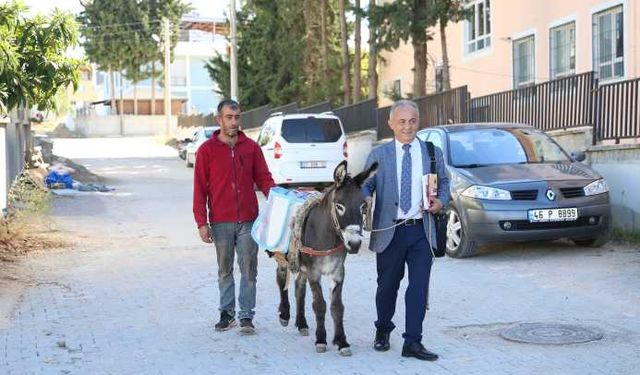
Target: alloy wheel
<point>454,231</point>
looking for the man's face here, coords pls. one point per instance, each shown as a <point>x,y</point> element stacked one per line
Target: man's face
<point>229,121</point>
<point>404,124</point>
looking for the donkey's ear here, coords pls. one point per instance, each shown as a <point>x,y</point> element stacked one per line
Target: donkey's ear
<point>364,175</point>
<point>340,173</point>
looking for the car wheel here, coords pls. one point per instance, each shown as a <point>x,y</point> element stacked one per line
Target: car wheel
<point>187,159</point>
<point>458,244</point>
<point>602,239</point>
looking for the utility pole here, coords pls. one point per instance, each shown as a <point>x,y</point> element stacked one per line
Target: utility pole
<point>121,106</point>
<point>234,51</point>
<point>167,74</point>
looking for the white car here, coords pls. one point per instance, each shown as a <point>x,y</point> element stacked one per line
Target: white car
<point>303,149</point>
<point>199,137</point>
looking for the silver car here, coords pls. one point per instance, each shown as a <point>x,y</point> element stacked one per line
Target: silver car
<point>511,182</point>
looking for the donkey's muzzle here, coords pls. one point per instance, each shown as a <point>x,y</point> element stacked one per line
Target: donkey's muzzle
<point>352,238</point>
<point>353,247</point>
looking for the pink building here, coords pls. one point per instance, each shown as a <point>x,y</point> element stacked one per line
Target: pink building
<point>515,43</point>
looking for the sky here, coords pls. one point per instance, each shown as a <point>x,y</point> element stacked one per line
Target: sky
<point>205,8</point>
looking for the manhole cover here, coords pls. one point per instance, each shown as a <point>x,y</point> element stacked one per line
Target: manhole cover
<point>549,333</point>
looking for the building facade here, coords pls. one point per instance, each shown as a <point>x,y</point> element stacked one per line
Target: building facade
<point>507,44</point>
<point>200,39</point>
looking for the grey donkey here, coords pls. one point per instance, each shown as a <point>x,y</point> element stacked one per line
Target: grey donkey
<point>332,228</point>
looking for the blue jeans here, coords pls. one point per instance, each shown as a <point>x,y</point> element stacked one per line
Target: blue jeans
<point>231,239</point>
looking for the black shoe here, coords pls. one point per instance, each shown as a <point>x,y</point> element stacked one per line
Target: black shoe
<point>226,322</point>
<point>247,327</point>
<point>381,343</point>
<point>417,350</point>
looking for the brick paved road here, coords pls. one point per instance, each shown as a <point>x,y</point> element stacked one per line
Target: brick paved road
<point>138,295</point>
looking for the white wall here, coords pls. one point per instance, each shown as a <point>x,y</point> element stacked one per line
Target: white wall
<point>3,165</point>
<point>109,126</point>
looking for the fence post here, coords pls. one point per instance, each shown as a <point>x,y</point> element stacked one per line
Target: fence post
<point>595,109</point>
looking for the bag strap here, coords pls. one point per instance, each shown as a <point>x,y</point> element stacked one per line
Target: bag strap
<point>432,156</point>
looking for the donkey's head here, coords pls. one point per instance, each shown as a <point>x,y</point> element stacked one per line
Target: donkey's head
<point>347,204</point>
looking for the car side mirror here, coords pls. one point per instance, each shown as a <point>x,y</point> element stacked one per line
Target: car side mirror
<point>578,156</point>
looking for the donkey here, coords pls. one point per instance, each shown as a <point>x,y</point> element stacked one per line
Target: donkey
<point>331,226</point>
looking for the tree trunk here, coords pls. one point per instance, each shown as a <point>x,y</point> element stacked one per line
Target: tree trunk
<point>372,71</point>
<point>346,65</point>
<point>357,84</point>
<point>153,88</point>
<point>419,42</point>
<point>112,82</point>
<point>420,68</point>
<point>135,98</point>
<point>446,80</point>
<point>323,37</point>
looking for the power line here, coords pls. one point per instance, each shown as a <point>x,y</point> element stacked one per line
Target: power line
<point>121,24</point>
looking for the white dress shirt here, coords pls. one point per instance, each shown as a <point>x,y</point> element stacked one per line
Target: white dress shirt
<point>416,179</point>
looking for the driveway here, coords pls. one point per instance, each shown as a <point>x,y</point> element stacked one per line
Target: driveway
<point>137,293</point>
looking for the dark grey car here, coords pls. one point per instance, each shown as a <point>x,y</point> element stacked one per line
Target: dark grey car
<point>511,182</point>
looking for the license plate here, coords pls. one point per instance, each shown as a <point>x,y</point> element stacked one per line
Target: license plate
<point>313,164</point>
<point>553,214</point>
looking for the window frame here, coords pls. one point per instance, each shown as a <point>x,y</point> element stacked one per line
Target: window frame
<point>515,41</point>
<point>556,74</point>
<point>472,27</point>
<point>613,8</point>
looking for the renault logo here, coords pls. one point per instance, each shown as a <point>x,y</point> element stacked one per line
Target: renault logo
<point>551,195</point>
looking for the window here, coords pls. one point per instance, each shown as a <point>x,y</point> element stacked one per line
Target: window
<point>397,88</point>
<point>478,26</point>
<point>439,79</point>
<point>314,130</point>
<point>608,44</point>
<point>523,62</point>
<point>265,135</point>
<point>562,45</point>
<point>436,139</point>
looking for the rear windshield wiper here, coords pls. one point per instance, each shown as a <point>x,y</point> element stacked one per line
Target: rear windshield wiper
<point>470,165</point>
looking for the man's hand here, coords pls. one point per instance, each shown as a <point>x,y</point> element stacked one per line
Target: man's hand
<point>205,236</point>
<point>436,206</point>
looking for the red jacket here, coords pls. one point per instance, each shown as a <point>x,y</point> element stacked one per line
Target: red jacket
<point>224,179</point>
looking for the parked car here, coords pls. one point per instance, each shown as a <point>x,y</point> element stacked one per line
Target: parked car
<point>511,182</point>
<point>199,137</point>
<point>303,149</point>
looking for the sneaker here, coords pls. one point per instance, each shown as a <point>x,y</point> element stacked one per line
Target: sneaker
<point>226,322</point>
<point>247,327</point>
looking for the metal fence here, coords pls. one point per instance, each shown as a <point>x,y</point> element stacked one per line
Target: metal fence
<point>286,109</point>
<point>448,107</point>
<point>359,116</point>
<point>317,108</point>
<point>557,104</point>
<point>382,121</point>
<point>617,111</point>
<point>191,121</point>
<point>255,117</point>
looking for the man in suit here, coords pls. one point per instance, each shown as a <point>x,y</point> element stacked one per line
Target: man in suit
<point>398,186</point>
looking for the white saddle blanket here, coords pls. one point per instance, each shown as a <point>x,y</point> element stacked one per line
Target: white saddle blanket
<point>271,230</point>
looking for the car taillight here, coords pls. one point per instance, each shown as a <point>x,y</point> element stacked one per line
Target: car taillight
<point>345,150</point>
<point>277,151</point>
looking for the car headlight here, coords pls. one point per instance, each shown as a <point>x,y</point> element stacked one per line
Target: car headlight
<point>596,187</point>
<point>485,192</point>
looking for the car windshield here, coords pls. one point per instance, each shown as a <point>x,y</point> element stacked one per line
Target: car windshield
<point>311,130</point>
<point>481,147</point>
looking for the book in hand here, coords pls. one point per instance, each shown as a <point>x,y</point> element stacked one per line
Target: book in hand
<point>429,189</point>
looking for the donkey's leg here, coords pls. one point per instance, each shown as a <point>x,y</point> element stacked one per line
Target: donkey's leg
<point>320,309</point>
<point>284,310</point>
<point>337,313</point>
<point>301,289</point>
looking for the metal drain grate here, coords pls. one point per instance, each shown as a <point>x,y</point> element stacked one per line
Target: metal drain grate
<point>549,333</point>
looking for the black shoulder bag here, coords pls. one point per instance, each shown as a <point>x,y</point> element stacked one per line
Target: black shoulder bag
<point>440,219</point>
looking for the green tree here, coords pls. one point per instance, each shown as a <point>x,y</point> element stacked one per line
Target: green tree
<point>118,35</point>
<point>406,21</point>
<point>33,67</point>
<point>443,12</point>
<point>286,53</point>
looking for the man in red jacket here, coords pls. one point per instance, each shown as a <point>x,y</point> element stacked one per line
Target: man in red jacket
<point>226,168</point>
